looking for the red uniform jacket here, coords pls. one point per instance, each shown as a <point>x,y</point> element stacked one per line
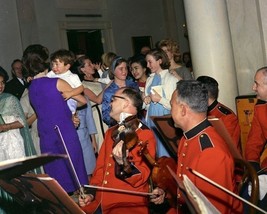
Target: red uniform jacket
<point>258,133</point>
<point>104,175</point>
<point>203,150</point>
<point>229,119</point>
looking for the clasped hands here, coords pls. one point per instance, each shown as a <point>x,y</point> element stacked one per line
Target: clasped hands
<point>152,97</point>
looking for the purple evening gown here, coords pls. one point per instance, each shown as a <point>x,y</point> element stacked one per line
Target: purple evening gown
<point>52,110</point>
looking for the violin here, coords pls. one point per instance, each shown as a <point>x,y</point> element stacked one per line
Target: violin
<point>125,132</point>
<point>161,177</point>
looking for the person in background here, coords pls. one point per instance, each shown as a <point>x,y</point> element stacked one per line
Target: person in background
<point>171,48</point>
<point>109,172</point>
<point>140,72</point>
<point>15,140</point>
<point>255,151</point>
<point>218,110</point>
<point>61,61</point>
<point>86,131</point>
<point>104,67</point>
<point>159,88</point>
<point>15,137</point>
<point>256,141</point>
<point>18,83</point>
<point>118,73</point>
<point>201,149</point>
<point>94,91</point>
<point>188,62</point>
<point>144,50</point>
<point>55,125</point>
<point>31,120</point>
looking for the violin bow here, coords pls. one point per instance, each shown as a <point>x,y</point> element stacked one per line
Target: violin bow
<point>225,190</point>
<point>71,164</point>
<point>120,190</point>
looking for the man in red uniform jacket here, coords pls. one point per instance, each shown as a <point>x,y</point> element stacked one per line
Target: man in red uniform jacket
<point>258,133</point>
<point>201,148</point>
<point>126,102</point>
<point>218,110</point>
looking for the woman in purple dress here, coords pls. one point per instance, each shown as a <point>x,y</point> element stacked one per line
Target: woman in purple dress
<point>52,111</point>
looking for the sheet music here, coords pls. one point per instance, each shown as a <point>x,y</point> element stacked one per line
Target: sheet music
<point>203,203</point>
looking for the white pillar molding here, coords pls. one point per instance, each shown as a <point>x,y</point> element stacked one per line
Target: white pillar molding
<point>211,45</point>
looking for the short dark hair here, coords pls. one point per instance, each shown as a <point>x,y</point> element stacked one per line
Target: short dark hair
<point>211,85</point>
<point>194,94</point>
<point>63,55</point>
<point>4,74</point>
<point>134,96</point>
<point>35,59</point>
<point>158,53</point>
<point>140,59</point>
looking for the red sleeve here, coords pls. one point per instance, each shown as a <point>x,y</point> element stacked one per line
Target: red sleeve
<point>255,141</point>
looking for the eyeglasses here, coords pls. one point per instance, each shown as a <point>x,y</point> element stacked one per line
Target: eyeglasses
<point>119,97</point>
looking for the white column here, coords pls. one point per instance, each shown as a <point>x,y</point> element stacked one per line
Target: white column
<point>211,46</point>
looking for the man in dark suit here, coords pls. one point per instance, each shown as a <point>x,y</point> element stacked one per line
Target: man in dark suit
<point>18,83</point>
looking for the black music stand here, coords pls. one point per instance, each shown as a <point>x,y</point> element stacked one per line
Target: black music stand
<point>170,134</point>
<point>35,193</point>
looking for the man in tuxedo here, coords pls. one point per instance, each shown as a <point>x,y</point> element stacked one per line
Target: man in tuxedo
<point>18,83</point>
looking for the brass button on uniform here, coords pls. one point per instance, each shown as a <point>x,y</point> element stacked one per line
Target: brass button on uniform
<point>105,182</point>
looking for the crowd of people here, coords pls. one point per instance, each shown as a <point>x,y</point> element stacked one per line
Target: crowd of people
<point>99,114</point>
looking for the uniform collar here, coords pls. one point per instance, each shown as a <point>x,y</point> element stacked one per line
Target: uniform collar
<point>213,105</point>
<point>197,129</point>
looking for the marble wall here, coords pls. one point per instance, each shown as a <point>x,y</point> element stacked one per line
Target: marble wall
<point>247,21</point>
<point>228,42</point>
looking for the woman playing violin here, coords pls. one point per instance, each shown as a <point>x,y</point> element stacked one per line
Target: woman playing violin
<point>119,164</point>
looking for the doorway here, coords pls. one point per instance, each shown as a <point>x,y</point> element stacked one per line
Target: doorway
<point>88,40</point>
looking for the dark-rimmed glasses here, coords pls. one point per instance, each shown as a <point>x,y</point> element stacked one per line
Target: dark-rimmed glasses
<point>116,96</point>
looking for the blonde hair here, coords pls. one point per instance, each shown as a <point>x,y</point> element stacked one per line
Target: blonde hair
<point>173,47</point>
<point>107,58</point>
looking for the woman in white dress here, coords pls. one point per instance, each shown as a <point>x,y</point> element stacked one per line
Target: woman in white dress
<point>15,138</point>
